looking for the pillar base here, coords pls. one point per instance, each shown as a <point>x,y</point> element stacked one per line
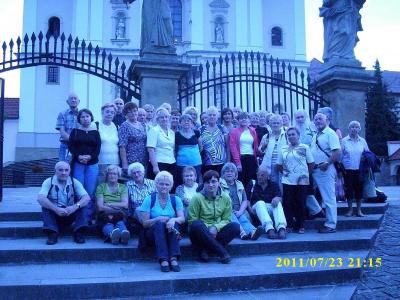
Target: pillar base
<point>344,84</point>
<point>159,79</point>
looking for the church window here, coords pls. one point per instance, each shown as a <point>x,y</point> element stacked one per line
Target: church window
<point>53,75</point>
<point>53,27</point>
<point>276,36</point>
<point>176,14</point>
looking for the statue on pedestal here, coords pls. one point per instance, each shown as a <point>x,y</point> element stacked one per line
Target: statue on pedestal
<point>157,29</point>
<point>219,33</point>
<point>120,29</point>
<point>342,21</point>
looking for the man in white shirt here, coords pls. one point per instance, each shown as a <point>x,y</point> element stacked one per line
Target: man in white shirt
<point>325,148</point>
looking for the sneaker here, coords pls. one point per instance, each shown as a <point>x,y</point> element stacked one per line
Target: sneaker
<point>203,256</point>
<point>52,238</point>
<point>271,234</point>
<point>326,230</point>
<point>257,233</point>
<point>244,236</point>
<point>115,236</point>
<point>79,237</point>
<point>282,233</point>
<point>225,259</point>
<point>125,236</point>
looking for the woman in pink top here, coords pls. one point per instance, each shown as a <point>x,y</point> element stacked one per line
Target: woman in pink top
<point>243,144</point>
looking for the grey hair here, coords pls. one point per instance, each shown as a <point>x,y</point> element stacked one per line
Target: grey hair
<point>160,110</point>
<point>135,166</point>
<point>60,163</point>
<point>113,168</point>
<point>212,109</point>
<point>185,117</point>
<point>263,169</point>
<point>162,175</point>
<point>229,166</point>
<point>327,111</point>
<point>354,123</point>
<point>276,117</point>
<point>190,108</point>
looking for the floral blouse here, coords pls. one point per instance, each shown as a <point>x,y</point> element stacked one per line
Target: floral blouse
<point>134,141</point>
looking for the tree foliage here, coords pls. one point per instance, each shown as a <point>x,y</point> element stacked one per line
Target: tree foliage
<point>381,122</point>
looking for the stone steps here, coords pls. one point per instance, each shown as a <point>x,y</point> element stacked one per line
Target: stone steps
<point>30,269</point>
<point>138,278</point>
<point>35,215</point>
<point>35,250</point>
<point>25,229</point>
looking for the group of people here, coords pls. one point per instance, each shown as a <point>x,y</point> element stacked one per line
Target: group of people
<point>232,174</point>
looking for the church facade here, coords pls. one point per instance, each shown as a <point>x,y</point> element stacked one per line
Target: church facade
<point>203,29</point>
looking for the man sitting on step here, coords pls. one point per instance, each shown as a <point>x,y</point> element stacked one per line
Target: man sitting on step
<point>266,203</point>
<point>63,200</point>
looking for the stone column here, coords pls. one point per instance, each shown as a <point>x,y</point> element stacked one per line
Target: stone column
<point>344,84</point>
<point>159,80</point>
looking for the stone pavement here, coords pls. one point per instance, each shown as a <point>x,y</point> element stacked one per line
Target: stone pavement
<point>384,282</point>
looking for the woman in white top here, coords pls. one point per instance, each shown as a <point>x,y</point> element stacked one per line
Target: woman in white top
<point>243,144</point>
<point>161,145</point>
<point>108,131</point>
<point>352,148</point>
<point>295,161</point>
<point>271,144</point>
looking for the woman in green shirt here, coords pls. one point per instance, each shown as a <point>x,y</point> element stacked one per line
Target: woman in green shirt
<point>112,205</point>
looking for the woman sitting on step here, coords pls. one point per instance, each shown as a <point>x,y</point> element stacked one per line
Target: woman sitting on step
<point>162,214</point>
<point>112,205</point>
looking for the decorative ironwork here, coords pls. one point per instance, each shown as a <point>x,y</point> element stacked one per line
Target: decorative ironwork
<point>71,53</point>
<point>253,81</point>
<point>1,134</point>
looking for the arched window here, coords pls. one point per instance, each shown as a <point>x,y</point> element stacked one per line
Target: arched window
<point>176,14</point>
<point>54,27</point>
<point>276,36</point>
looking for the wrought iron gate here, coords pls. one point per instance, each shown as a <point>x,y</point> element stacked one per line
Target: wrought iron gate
<point>70,53</point>
<point>252,81</point>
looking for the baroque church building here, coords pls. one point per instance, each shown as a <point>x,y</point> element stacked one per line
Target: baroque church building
<point>203,29</point>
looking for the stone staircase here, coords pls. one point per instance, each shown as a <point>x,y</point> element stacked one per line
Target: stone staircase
<point>29,269</point>
<point>28,173</point>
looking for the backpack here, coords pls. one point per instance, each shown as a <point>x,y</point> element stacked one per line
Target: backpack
<point>142,243</point>
<point>57,189</point>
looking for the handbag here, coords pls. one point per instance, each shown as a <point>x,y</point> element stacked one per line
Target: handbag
<point>338,165</point>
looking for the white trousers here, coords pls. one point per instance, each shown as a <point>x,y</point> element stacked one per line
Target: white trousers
<point>326,185</point>
<point>264,212</point>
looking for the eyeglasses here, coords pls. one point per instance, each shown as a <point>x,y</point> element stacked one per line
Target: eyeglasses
<point>212,181</point>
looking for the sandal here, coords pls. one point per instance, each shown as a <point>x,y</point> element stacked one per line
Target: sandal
<point>164,266</point>
<point>174,266</point>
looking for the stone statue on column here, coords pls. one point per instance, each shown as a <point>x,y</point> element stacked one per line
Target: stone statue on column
<point>157,29</point>
<point>120,29</point>
<point>219,33</point>
<point>342,21</point>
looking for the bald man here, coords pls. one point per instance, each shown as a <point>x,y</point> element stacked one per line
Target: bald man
<point>325,148</point>
<point>66,121</point>
<point>63,200</point>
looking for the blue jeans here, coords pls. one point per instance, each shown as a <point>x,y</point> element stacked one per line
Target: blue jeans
<point>109,227</point>
<point>63,153</point>
<point>244,223</point>
<point>87,175</point>
<point>166,243</point>
<point>53,222</point>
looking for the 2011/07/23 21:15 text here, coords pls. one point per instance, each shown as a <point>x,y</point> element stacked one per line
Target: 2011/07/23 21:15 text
<point>328,262</point>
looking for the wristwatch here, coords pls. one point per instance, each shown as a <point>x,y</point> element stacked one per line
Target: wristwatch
<point>78,204</point>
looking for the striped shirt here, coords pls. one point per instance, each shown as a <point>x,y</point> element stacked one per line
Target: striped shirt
<point>137,193</point>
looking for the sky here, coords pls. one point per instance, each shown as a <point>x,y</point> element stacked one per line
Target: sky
<point>379,40</point>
